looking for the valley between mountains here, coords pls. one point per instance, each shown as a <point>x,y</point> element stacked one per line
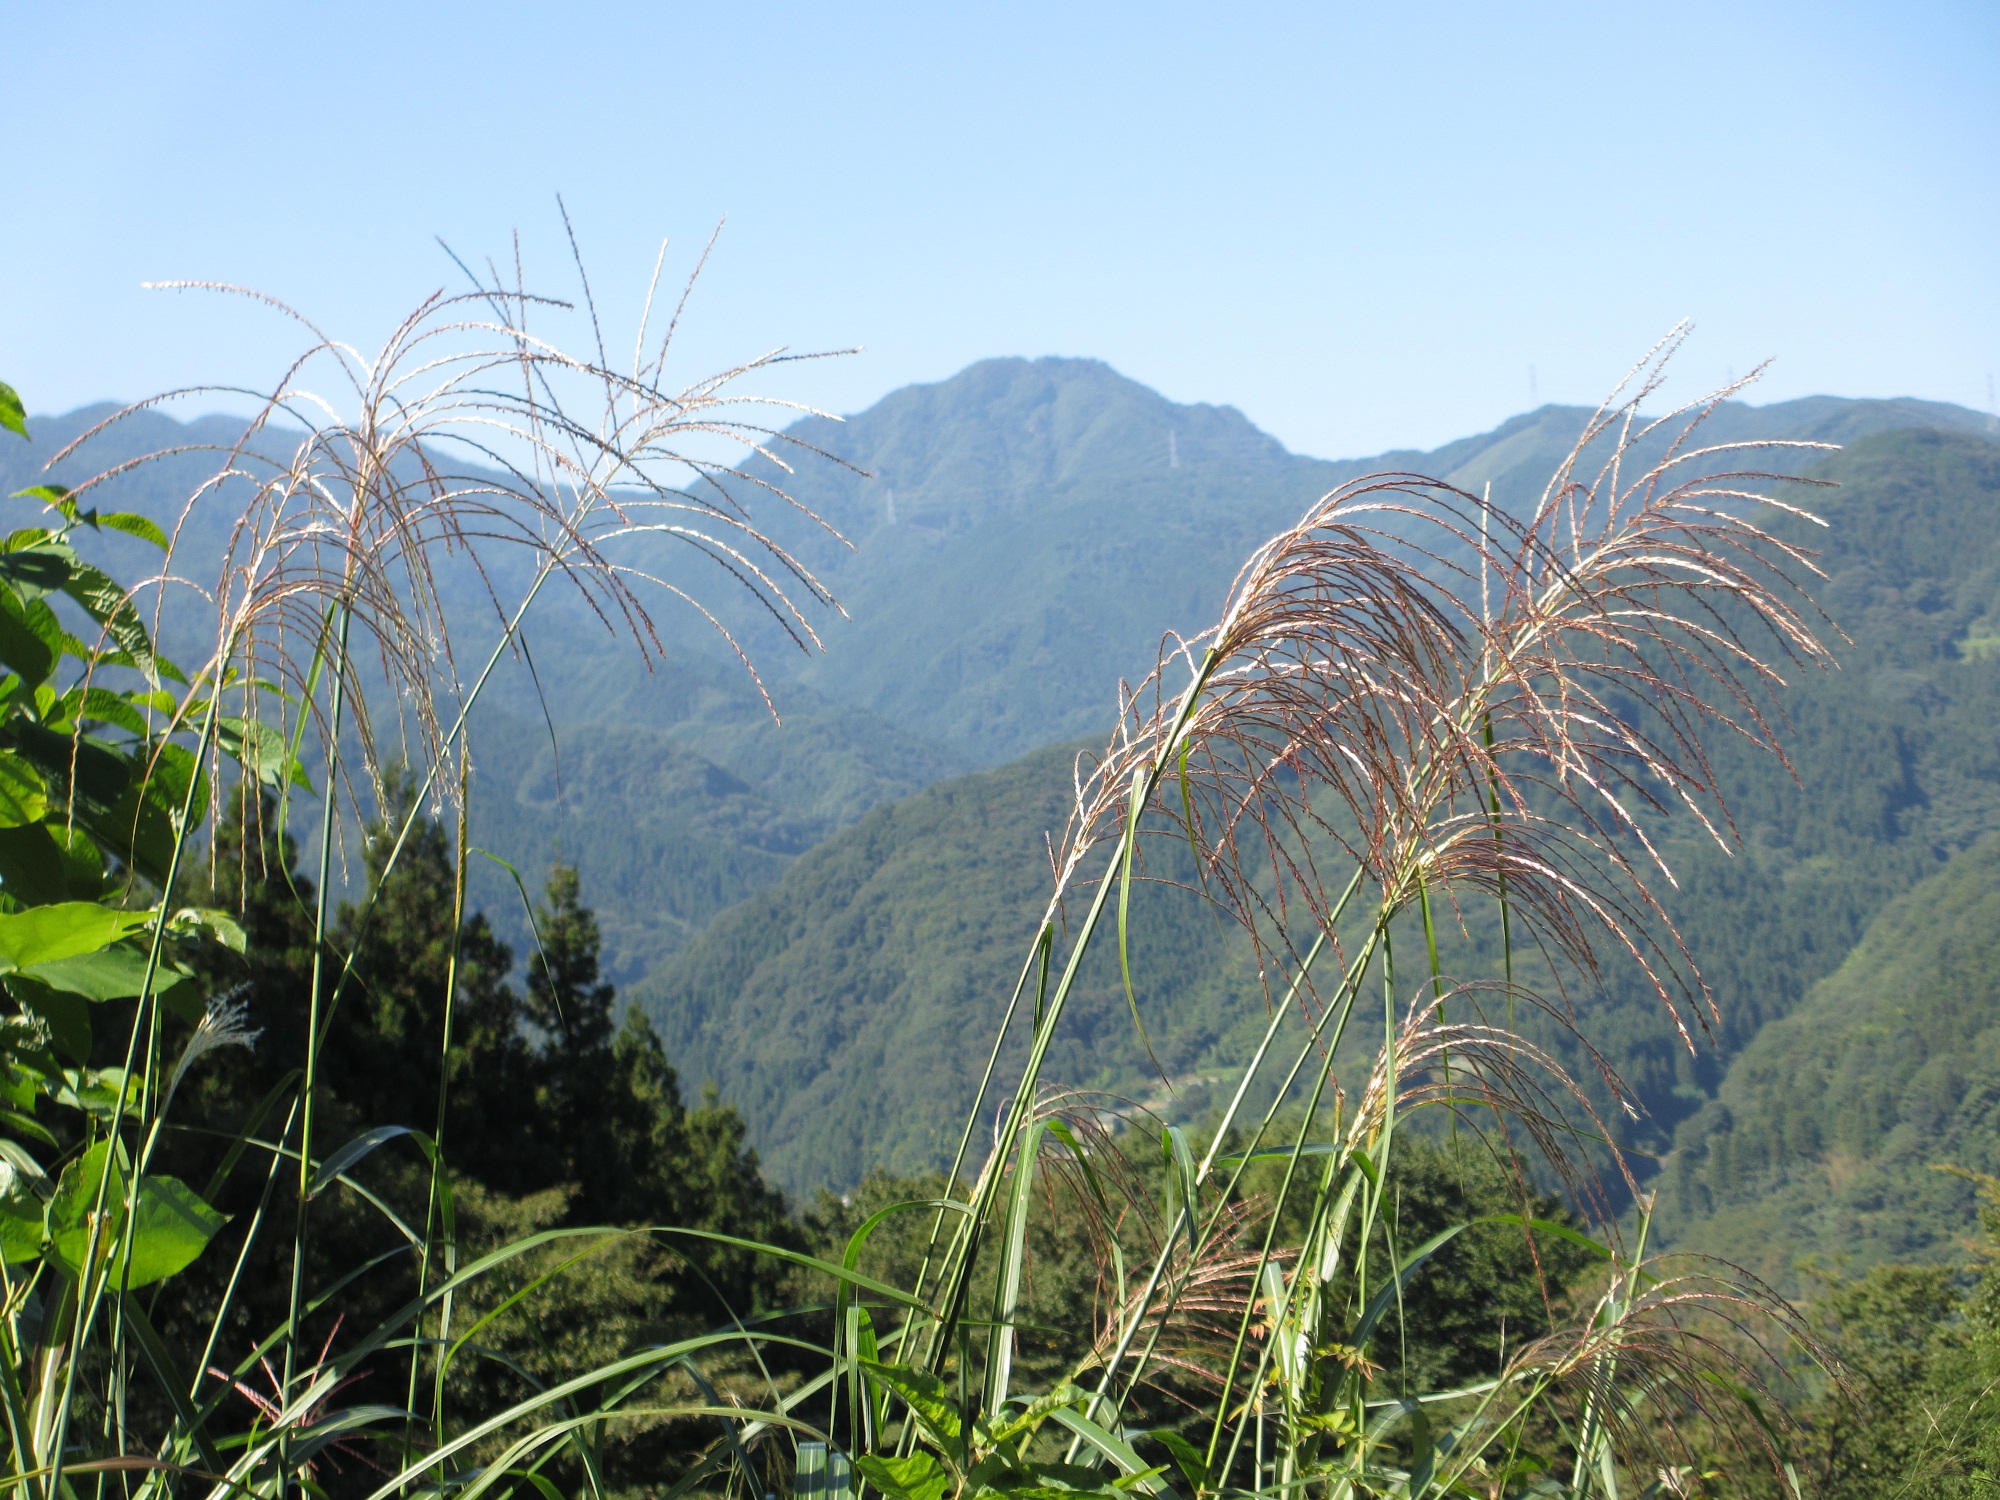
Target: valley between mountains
<point>816,914</point>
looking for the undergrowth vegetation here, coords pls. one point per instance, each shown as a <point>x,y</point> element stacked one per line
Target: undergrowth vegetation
<point>454,1238</point>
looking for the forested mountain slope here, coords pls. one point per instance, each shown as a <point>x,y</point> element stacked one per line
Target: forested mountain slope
<point>1023,534</point>
<point>848,1008</point>
<point>1823,1139</point>
<point>669,780</point>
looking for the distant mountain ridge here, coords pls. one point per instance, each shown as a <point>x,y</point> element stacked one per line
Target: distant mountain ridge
<point>1039,524</point>
<point>1028,531</point>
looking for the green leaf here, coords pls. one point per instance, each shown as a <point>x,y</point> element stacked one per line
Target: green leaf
<point>13,415</point>
<point>139,831</point>
<point>108,707</point>
<point>171,1225</point>
<point>24,1124</point>
<point>1035,1413</point>
<point>1112,1446</point>
<point>918,1477</point>
<point>330,1169</point>
<point>67,1016</point>
<point>1192,1463</point>
<point>44,934</point>
<point>171,1228</point>
<point>55,496</point>
<point>220,925</point>
<point>98,773</point>
<point>104,1093</point>
<point>174,768</point>
<point>260,750</point>
<point>110,974</point>
<point>929,1402</point>
<point>106,602</point>
<point>1178,1154</point>
<point>30,645</point>
<point>143,527</point>
<point>24,796</point>
<point>42,568</point>
<point>36,868</point>
<point>20,1219</point>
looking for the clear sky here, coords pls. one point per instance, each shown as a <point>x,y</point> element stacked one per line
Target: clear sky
<point>1365,225</point>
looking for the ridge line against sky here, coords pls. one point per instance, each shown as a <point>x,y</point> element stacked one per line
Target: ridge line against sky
<point>1745,398</point>
<point>1364,229</point>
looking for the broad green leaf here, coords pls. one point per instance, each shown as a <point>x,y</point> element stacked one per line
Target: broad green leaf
<point>918,1477</point>
<point>13,415</point>
<point>143,527</point>
<point>24,1124</point>
<point>139,831</point>
<point>23,794</point>
<point>107,707</point>
<point>107,602</point>
<point>46,933</point>
<point>20,1218</point>
<point>1036,1412</point>
<point>39,865</point>
<point>220,925</point>
<point>98,773</point>
<point>109,974</point>
<point>173,769</point>
<point>929,1402</point>
<point>27,644</point>
<point>55,496</point>
<point>102,1092</point>
<point>44,569</point>
<point>75,1198</point>
<point>171,1225</point>
<point>260,750</point>
<point>67,1016</point>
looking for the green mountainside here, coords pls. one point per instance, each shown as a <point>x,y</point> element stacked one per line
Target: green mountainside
<point>1821,1138</point>
<point>669,782</point>
<point>1023,534</point>
<point>849,1009</point>
<point>1038,525</point>
<point>842,1008</point>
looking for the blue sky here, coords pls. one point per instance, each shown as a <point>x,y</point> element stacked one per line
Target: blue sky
<point>1362,224</point>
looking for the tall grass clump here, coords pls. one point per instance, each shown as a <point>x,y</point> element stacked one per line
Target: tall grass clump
<point>341,665</point>
<point>1417,706</point>
<point>1415,702</point>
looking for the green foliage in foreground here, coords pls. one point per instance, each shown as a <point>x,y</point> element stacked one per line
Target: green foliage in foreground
<point>1916,1413</point>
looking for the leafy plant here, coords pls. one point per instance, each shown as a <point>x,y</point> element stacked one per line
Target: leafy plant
<point>329,633</point>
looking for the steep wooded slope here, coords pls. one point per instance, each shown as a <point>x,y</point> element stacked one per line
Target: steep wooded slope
<point>1823,1140</point>
<point>847,1009</point>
